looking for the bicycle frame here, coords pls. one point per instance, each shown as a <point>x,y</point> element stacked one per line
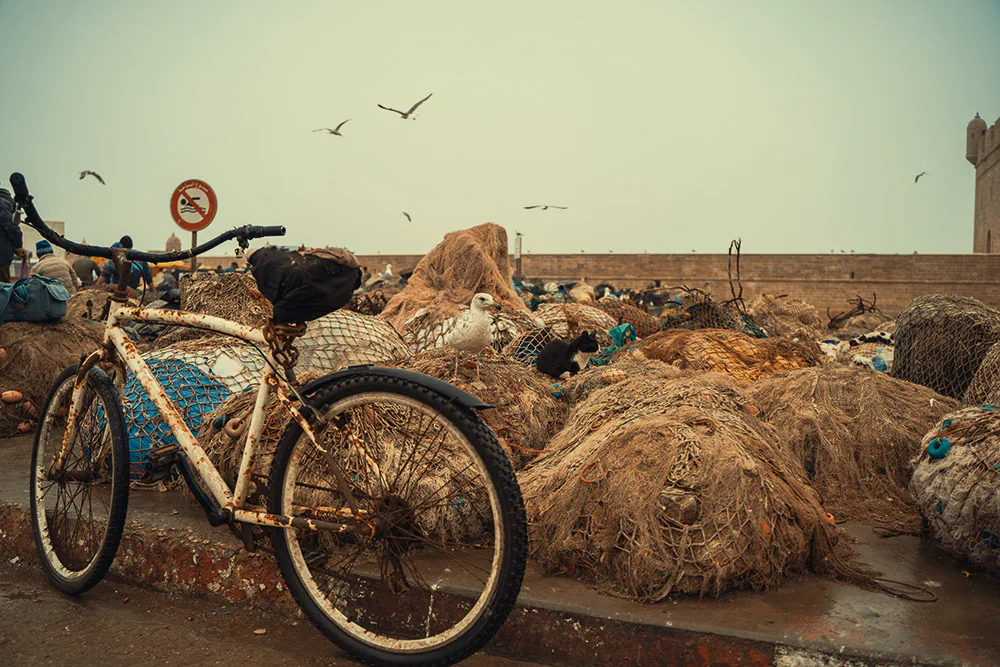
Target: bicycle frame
<point>233,503</point>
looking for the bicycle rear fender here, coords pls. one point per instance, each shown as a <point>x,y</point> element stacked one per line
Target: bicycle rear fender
<point>449,391</point>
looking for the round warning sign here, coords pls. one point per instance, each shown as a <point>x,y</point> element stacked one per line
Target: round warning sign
<point>193,205</point>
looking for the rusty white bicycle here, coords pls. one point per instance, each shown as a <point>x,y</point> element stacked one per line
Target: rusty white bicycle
<point>393,513</point>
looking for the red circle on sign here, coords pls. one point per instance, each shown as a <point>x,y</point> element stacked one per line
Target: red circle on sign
<point>193,205</point>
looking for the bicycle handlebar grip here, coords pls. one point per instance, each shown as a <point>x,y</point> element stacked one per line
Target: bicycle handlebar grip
<point>272,231</point>
<point>20,187</point>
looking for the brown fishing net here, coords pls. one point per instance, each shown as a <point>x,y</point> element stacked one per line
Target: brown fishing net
<point>955,483</point>
<point>233,296</point>
<point>569,320</point>
<point>579,387</point>
<point>695,309</point>
<point>526,346</point>
<point>368,303</point>
<point>32,357</point>
<point>526,415</point>
<point>856,432</point>
<point>657,487</point>
<point>736,354</point>
<point>344,338</point>
<point>77,308</point>
<point>985,386</point>
<point>941,340</point>
<point>583,293</point>
<point>625,313</point>
<point>465,263</point>
<point>782,316</point>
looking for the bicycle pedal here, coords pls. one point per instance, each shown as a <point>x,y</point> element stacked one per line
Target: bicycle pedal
<point>159,463</point>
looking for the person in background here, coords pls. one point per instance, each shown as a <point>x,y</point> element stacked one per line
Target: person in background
<point>233,268</point>
<point>87,270</point>
<point>57,268</point>
<point>140,270</point>
<point>365,275</point>
<point>10,236</point>
<point>218,269</point>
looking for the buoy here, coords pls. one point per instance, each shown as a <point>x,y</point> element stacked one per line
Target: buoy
<point>235,427</point>
<point>11,396</point>
<point>831,519</point>
<point>765,527</point>
<point>947,423</point>
<point>3,356</point>
<point>752,409</point>
<point>938,448</point>
<point>24,427</point>
<point>29,407</point>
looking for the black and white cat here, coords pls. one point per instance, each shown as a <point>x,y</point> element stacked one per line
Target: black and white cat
<point>559,357</point>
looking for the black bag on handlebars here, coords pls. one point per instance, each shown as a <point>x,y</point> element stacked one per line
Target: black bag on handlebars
<point>305,285</point>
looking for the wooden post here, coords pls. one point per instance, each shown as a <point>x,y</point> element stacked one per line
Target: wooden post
<point>194,243</point>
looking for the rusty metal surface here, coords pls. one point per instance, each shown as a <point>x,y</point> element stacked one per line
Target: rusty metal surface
<point>121,313</point>
<point>252,439</point>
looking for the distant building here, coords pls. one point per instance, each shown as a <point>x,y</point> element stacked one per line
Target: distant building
<point>173,244</point>
<point>982,149</point>
<point>29,237</point>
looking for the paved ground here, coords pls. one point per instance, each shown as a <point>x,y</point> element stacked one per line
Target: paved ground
<point>124,625</point>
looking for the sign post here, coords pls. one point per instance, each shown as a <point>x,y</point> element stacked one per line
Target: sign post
<point>193,206</point>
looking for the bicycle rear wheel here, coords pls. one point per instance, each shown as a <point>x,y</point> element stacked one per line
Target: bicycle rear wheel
<point>78,514</point>
<point>439,563</point>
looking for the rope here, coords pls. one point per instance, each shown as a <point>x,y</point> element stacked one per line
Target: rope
<point>905,591</point>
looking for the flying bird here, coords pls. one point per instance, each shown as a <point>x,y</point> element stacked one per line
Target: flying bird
<point>545,207</point>
<point>335,130</point>
<point>84,174</point>
<point>923,173</point>
<point>408,216</point>
<point>406,114</point>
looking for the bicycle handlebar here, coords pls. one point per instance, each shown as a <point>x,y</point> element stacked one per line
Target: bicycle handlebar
<point>24,200</point>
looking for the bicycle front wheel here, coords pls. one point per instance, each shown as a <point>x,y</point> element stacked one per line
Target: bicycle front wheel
<point>438,564</point>
<point>78,511</point>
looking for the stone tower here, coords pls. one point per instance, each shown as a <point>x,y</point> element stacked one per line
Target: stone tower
<point>982,149</point>
<point>173,244</point>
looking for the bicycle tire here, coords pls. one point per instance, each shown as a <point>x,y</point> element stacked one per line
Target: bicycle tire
<point>80,581</point>
<point>501,475</point>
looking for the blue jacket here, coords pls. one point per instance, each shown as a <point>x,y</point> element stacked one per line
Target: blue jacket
<point>10,234</point>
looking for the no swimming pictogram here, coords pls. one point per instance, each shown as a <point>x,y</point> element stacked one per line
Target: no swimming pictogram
<point>193,205</point>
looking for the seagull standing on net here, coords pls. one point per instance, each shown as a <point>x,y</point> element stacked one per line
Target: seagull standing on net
<point>471,331</point>
<point>923,173</point>
<point>545,207</point>
<point>406,114</point>
<point>85,174</point>
<point>335,130</point>
<point>387,274</point>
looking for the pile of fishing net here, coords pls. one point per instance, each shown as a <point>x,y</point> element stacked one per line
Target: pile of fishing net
<point>583,293</point>
<point>874,351</point>
<point>579,387</point>
<point>233,296</point>
<point>625,313</point>
<point>569,320</point>
<point>368,303</point>
<point>695,309</point>
<point>941,340</point>
<point>985,386</point>
<point>865,322</point>
<point>526,416</point>
<point>464,264</point>
<point>736,354</point>
<point>345,338</point>
<point>782,316</point>
<point>32,355</point>
<point>526,346</point>
<point>198,376</point>
<point>855,431</point>
<point>659,487</point>
<point>77,307</point>
<point>223,433</point>
<point>957,484</point>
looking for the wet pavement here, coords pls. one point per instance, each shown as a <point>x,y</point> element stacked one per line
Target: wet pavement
<point>122,625</point>
<point>806,614</point>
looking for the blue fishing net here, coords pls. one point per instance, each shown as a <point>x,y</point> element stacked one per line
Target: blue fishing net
<point>193,392</point>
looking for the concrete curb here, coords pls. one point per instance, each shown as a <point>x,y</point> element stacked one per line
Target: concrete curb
<point>176,561</point>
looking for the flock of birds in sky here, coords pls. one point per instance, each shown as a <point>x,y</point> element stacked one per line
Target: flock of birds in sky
<point>410,114</point>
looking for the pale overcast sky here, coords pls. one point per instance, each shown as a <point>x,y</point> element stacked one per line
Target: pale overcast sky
<point>663,126</point>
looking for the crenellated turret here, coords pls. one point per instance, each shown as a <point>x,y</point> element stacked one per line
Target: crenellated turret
<point>974,134</point>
